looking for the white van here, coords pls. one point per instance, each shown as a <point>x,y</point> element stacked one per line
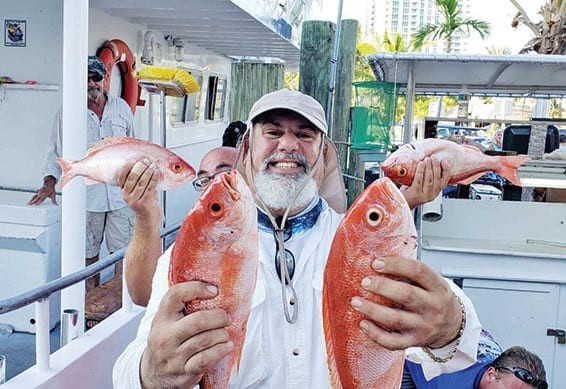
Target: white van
<point>484,192</point>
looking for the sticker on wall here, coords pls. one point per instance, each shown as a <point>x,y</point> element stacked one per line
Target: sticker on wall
<point>15,33</point>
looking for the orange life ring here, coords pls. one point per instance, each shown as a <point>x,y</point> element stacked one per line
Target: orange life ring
<point>117,52</point>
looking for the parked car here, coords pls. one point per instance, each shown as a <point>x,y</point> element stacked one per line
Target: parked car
<point>484,192</point>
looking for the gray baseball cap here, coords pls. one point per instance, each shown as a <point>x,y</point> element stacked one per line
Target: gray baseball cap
<point>294,101</point>
<point>95,65</point>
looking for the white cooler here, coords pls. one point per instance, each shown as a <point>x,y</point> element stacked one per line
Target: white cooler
<point>30,247</point>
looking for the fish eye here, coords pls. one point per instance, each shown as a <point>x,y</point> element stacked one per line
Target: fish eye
<point>177,167</point>
<point>374,216</point>
<point>402,171</point>
<point>215,207</point>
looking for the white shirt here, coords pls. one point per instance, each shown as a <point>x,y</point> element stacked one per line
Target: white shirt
<point>278,354</point>
<point>117,120</point>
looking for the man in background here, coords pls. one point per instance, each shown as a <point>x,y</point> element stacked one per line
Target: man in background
<point>108,214</point>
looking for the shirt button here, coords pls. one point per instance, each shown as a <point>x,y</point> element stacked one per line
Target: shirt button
<point>296,352</point>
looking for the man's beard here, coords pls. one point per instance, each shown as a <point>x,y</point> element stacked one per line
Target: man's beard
<point>94,94</point>
<point>277,191</point>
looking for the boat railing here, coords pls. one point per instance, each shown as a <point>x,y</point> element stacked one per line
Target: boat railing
<point>40,296</point>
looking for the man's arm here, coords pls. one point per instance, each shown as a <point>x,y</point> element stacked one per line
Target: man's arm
<point>139,182</point>
<point>51,169</point>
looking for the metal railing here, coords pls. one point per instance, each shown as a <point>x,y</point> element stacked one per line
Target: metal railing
<point>40,296</point>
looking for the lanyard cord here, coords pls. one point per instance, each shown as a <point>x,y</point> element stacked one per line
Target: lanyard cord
<point>279,229</point>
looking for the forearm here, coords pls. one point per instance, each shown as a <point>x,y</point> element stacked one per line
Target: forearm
<point>141,259</point>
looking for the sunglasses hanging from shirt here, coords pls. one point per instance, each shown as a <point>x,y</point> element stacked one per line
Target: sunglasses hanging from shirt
<point>289,258</point>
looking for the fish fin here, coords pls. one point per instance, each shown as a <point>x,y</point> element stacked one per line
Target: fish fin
<point>469,180</point>
<point>110,141</point>
<point>330,355</point>
<point>66,167</point>
<point>508,167</point>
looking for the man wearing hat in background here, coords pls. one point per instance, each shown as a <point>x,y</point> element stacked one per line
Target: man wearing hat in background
<point>107,213</point>
<point>286,160</point>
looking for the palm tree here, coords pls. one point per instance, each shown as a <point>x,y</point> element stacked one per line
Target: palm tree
<point>396,43</point>
<point>495,50</point>
<point>452,26</point>
<point>549,35</point>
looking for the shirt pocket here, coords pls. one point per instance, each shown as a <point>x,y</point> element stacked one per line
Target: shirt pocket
<point>119,125</point>
<point>253,367</point>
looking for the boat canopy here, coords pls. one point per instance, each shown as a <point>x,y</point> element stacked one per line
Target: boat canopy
<point>525,75</point>
<point>242,29</point>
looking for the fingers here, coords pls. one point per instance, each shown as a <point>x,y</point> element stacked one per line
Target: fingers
<point>139,185</point>
<point>43,193</point>
<point>53,198</point>
<point>412,305</point>
<point>445,168</point>
<point>407,269</point>
<point>206,349</point>
<point>35,200</point>
<point>419,175</point>
<point>172,305</point>
<point>182,347</point>
<point>130,175</point>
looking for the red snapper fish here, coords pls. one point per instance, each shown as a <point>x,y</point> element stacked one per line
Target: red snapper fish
<point>378,224</point>
<point>104,160</point>
<point>218,244</point>
<point>467,163</point>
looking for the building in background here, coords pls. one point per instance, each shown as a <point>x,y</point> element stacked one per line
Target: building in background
<point>406,17</point>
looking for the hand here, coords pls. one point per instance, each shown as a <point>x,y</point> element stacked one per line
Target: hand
<point>181,348</point>
<point>431,176</point>
<point>424,310</point>
<point>139,188</point>
<point>47,190</point>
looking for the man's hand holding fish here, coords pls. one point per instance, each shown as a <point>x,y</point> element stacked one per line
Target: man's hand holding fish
<point>431,176</point>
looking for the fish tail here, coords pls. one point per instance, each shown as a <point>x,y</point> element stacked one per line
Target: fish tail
<point>66,167</point>
<point>507,167</point>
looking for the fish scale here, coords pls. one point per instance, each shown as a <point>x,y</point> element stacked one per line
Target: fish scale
<point>378,224</point>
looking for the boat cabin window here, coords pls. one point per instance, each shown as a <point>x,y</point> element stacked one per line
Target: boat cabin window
<point>181,110</point>
<point>215,98</point>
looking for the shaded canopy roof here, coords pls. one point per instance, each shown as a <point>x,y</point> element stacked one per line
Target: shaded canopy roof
<point>528,75</point>
<point>234,28</point>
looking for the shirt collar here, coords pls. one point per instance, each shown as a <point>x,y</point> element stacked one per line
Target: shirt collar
<point>302,221</point>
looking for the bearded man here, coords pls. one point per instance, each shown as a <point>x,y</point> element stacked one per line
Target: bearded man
<point>287,162</point>
<point>108,215</point>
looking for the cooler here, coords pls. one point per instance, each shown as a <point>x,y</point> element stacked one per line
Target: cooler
<point>30,246</point>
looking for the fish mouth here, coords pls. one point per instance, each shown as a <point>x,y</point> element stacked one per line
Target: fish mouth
<point>230,182</point>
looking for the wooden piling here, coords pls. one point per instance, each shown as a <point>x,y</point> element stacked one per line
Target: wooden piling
<point>250,81</point>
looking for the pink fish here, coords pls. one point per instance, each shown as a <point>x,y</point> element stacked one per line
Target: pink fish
<point>104,160</point>
<point>218,244</point>
<point>378,224</point>
<point>467,163</point>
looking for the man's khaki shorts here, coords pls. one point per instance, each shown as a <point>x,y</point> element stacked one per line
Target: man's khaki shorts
<point>116,226</point>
